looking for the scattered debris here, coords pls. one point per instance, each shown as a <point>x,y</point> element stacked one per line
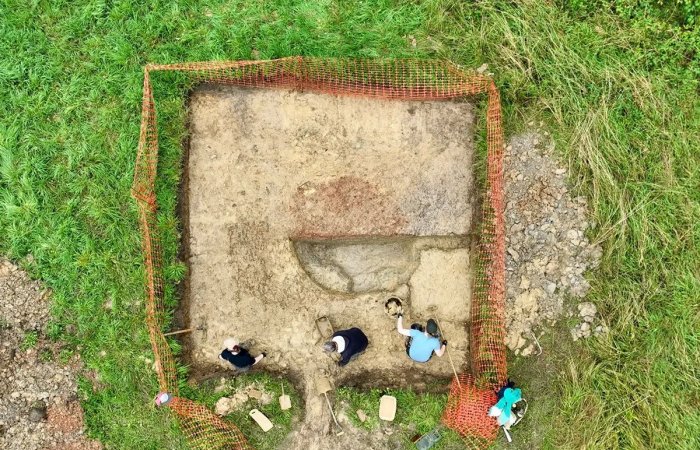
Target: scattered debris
<point>254,393</point>
<point>223,406</point>
<point>236,401</point>
<point>265,399</point>
<point>361,415</point>
<point>587,311</point>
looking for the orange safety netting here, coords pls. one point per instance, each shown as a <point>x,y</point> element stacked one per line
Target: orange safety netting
<point>472,394</point>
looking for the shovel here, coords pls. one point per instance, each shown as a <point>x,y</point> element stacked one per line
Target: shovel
<point>323,385</point>
<point>323,324</point>
<point>285,401</point>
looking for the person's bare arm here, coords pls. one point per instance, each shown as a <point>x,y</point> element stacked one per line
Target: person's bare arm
<point>441,350</point>
<point>400,328</point>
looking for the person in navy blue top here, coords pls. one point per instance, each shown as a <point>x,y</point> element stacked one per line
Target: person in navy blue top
<point>348,343</point>
<point>237,356</point>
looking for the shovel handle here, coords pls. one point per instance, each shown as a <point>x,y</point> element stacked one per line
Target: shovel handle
<point>449,356</point>
<point>186,330</point>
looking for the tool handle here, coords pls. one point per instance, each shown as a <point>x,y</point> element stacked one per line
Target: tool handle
<point>508,438</point>
<point>186,330</point>
<point>331,410</point>
<point>449,356</point>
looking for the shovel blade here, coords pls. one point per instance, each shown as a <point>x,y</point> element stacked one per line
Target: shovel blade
<point>285,402</point>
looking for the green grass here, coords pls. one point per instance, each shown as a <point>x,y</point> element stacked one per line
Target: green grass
<point>416,414</point>
<point>30,339</point>
<point>617,87</point>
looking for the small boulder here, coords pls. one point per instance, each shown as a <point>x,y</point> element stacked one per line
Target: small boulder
<point>38,412</point>
<point>587,309</point>
<point>254,393</point>
<point>223,406</point>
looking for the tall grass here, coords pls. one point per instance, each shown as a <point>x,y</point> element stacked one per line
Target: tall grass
<point>620,96</point>
<point>629,130</point>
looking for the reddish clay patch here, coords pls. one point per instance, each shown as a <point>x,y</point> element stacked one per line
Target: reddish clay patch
<point>333,209</point>
<point>66,418</point>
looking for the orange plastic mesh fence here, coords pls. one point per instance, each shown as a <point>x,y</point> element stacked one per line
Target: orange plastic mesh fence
<point>206,430</point>
<point>467,409</point>
<point>385,79</point>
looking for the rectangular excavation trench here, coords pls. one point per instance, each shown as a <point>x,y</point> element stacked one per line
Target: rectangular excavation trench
<point>297,205</point>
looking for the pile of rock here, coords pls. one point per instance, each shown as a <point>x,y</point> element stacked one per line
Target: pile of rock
<point>547,249</point>
<point>254,391</point>
<point>589,325</point>
<point>38,395</point>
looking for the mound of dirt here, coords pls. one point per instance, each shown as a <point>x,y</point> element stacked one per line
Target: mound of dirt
<point>38,396</point>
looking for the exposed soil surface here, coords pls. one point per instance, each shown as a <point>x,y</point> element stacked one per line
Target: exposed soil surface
<point>302,205</point>
<point>39,407</point>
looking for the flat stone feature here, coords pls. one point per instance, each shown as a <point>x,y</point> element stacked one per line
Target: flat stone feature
<point>276,178</point>
<point>360,267</point>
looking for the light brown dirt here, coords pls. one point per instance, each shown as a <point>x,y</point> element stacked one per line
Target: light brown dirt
<point>301,205</point>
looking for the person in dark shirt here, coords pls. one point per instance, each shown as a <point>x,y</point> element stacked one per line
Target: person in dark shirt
<point>237,356</point>
<point>348,343</point>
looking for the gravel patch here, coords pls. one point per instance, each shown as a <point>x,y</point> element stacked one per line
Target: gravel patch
<point>39,406</point>
<point>547,248</point>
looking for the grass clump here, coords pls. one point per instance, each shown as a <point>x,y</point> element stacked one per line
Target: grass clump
<point>30,340</point>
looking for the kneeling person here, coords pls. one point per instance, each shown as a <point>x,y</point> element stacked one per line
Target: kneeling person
<point>421,344</point>
<point>349,343</point>
<point>239,357</point>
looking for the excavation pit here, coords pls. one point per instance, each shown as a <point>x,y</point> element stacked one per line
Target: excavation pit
<point>299,205</point>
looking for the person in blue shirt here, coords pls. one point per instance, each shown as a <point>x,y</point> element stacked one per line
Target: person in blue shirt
<point>420,343</point>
